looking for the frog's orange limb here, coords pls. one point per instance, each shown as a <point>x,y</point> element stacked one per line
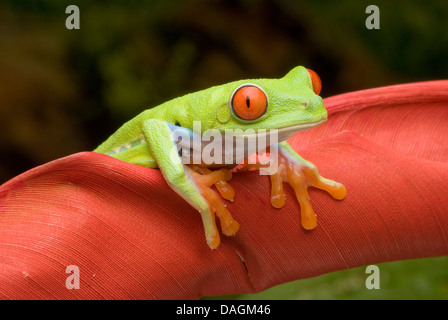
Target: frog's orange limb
<point>301,175</point>
<point>204,179</point>
<point>277,195</point>
<point>298,182</point>
<point>335,189</point>
<point>229,226</point>
<point>219,178</point>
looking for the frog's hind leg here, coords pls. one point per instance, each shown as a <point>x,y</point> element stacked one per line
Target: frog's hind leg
<point>139,155</point>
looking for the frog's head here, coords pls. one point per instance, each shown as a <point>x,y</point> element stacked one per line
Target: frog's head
<point>270,110</point>
<point>289,104</point>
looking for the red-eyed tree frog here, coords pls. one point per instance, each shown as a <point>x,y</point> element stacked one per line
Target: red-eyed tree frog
<point>246,108</point>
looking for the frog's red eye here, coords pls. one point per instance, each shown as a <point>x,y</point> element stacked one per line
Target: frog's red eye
<point>249,102</point>
<point>315,80</point>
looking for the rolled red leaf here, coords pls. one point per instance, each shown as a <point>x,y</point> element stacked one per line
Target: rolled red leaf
<point>132,237</point>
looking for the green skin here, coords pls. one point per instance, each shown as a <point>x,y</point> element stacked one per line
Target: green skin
<point>292,106</point>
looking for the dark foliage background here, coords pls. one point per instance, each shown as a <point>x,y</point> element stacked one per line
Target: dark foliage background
<point>64,91</point>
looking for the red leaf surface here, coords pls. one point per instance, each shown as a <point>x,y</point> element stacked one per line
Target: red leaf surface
<point>132,237</point>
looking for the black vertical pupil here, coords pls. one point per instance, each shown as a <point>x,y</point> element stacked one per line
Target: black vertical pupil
<point>247,101</point>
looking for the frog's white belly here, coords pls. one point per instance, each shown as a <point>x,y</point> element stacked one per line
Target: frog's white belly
<point>232,148</point>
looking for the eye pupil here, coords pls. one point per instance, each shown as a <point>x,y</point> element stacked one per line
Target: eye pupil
<point>249,102</point>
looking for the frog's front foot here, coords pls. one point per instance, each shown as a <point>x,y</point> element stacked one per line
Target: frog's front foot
<point>204,179</point>
<point>301,174</point>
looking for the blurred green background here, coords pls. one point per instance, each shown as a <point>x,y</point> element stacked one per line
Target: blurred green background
<point>64,91</point>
